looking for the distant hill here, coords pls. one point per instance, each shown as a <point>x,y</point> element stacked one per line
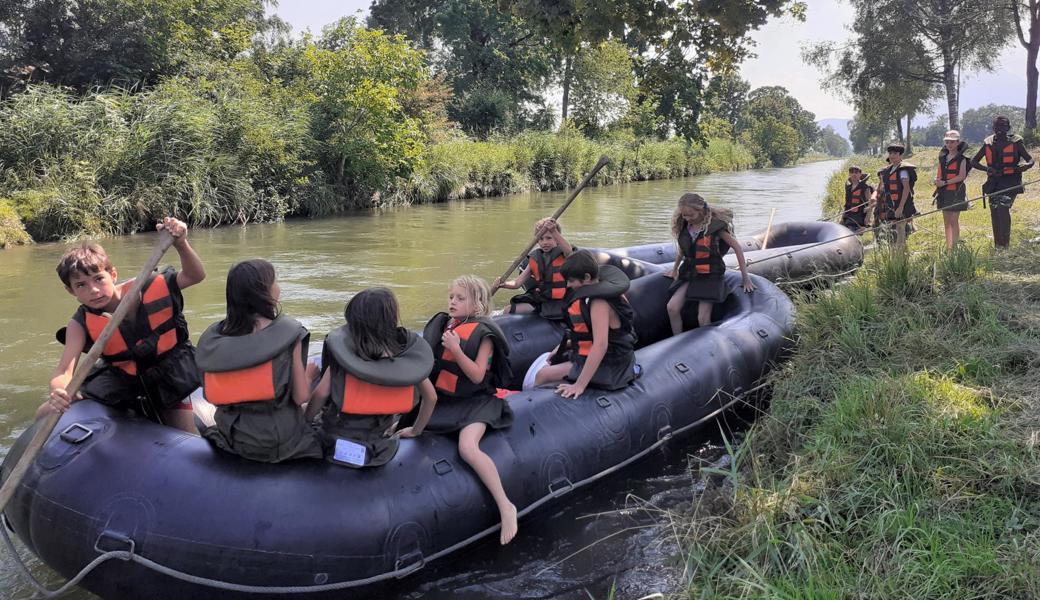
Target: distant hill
<point>840,126</point>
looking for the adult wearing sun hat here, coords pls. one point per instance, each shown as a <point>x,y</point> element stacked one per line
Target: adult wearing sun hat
<point>950,192</point>
<point>1006,159</point>
<point>893,199</point>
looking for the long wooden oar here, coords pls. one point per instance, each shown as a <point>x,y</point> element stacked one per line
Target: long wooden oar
<point>765,239</point>
<point>127,303</point>
<point>603,161</point>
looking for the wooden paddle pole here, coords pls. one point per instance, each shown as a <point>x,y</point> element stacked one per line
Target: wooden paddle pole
<point>603,161</point>
<point>128,302</point>
<point>769,226</point>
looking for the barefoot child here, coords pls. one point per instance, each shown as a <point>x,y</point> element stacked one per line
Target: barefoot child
<point>374,369</point>
<point>149,361</point>
<point>543,272</point>
<point>253,371</point>
<point>704,236</point>
<point>600,346</point>
<point>472,358</point>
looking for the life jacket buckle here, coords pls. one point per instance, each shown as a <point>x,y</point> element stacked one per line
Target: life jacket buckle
<point>442,467</point>
<point>115,538</point>
<point>560,487</point>
<point>76,433</point>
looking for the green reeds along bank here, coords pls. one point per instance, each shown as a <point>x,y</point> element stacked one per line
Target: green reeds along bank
<point>897,457</point>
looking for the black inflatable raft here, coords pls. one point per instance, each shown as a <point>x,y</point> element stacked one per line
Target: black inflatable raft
<point>795,251</point>
<point>187,521</point>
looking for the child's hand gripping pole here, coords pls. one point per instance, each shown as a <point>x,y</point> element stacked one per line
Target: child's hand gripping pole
<point>603,161</point>
<point>127,303</point>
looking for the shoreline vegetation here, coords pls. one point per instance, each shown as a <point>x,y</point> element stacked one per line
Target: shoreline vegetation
<point>898,454</point>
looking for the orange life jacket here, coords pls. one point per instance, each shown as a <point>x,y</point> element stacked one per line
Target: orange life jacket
<point>545,272</point>
<point>856,196</point>
<point>375,387</point>
<point>703,255</point>
<point>448,377</point>
<point>256,367</point>
<point>156,330</point>
<point>1005,159</point>
<point>948,170</point>
<point>611,287</point>
<point>893,186</point>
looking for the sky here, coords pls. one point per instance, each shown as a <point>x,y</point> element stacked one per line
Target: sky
<point>779,60</point>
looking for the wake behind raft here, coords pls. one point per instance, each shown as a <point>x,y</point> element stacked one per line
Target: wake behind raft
<point>180,519</point>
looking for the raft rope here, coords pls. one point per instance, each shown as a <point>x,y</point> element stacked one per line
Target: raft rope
<point>888,224</point>
<point>132,556</point>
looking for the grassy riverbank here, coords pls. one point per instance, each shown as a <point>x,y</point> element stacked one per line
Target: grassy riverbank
<point>231,150</point>
<point>898,457</point>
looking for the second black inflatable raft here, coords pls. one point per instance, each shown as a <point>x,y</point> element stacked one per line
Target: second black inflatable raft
<point>192,522</point>
<point>795,251</point>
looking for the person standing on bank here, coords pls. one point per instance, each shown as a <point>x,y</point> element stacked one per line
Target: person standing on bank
<point>950,191</point>
<point>857,198</point>
<point>894,197</point>
<point>1006,160</point>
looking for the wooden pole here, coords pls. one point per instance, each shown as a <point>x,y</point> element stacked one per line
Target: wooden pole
<point>603,161</point>
<point>128,302</point>
<point>765,240</point>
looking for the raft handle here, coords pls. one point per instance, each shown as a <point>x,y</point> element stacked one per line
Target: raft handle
<point>762,333</point>
<point>518,336</point>
<point>7,522</point>
<point>119,538</point>
<point>409,563</point>
<point>603,401</point>
<point>68,435</point>
<point>681,367</point>
<point>442,467</point>
<point>564,484</point>
<point>664,433</point>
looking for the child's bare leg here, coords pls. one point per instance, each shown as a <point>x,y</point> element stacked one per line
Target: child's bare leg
<point>951,226</point>
<point>180,419</point>
<point>704,313</point>
<point>521,308</point>
<point>552,373</point>
<point>469,449</point>
<point>675,304</point>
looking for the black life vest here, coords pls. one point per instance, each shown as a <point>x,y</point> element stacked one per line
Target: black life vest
<point>545,272</point>
<point>157,327</point>
<point>703,255</point>
<point>447,377</point>
<point>857,195</point>
<point>386,386</point>
<point>1004,158</point>
<point>611,287</point>
<point>892,189</point>
<point>255,368</point>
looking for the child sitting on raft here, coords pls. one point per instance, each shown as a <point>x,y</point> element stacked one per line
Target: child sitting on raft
<point>149,360</point>
<point>374,369</point>
<point>253,371</point>
<point>543,271</point>
<point>600,343</point>
<point>704,236</point>
<point>471,360</point>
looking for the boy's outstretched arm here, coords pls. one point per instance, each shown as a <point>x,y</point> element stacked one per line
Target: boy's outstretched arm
<point>192,271</point>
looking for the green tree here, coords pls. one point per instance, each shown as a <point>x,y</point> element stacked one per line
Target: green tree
<point>831,143</point>
<point>977,123</point>
<point>774,102</point>
<point>774,141</point>
<point>603,88</point>
<point>868,133</point>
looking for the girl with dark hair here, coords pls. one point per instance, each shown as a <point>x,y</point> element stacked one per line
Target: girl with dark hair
<point>704,234</point>
<point>374,370</point>
<point>253,371</point>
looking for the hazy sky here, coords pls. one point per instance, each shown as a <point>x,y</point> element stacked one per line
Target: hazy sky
<point>779,61</point>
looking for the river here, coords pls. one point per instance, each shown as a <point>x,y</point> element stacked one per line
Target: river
<point>417,251</point>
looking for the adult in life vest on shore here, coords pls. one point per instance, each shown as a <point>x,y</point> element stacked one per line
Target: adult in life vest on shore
<point>856,215</point>
<point>893,199</point>
<point>253,372</point>
<point>541,276</point>
<point>374,369</point>
<point>1006,159</point>
<point>950,192</point>
<point>599,349</point>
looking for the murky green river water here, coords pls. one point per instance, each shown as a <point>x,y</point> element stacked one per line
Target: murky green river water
<point>416,251</point>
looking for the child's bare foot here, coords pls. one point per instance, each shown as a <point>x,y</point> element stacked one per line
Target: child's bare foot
<point>509,525</point>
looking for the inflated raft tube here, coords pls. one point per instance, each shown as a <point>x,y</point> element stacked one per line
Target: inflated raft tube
<point>795,251</point>
<point>193,522</point>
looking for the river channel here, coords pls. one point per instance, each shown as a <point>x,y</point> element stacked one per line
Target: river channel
<point>578,548</point>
